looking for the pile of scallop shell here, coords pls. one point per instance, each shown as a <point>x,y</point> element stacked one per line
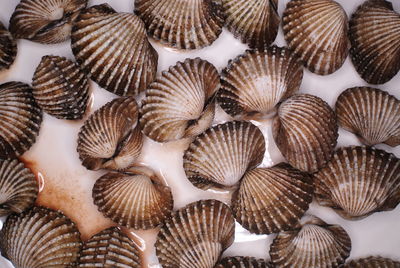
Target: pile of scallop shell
<point>261,85</point>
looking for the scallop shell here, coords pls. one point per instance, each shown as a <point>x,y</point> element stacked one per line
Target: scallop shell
<point>20,119</point>
<point>243,262</point>
<point>373,262</point>
<point>114,49</point>
<point>306,132</point>
<point>111,137</point>
<point>370,113</point>
<point>110,248</point>
<point>317,32</point>
<point>60,88</point>
<point>375,38</point>
<point>270,200</point>
<point>221,155</point>
<point>180,103</point>
<point>45,21</point>
<point>40,237</point>
<point>255,82</point>
<point>195,236</point>
<point>8,48</point>
<point>359,181</point>
<point>313,244</point>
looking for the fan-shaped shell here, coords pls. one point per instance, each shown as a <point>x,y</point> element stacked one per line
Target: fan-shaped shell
<point>60,88</point>
<point>372,262</point>
<point>113,48</point>
<point>111,137</point>
<point>180,103</point>
<point>306,132</point>
<point>243,262</point>
<point>221,155</point>
<point>40,237</point>
<point>20,119</point>
<point>195,236</point>
<point>316,30</point>
<point>45,21</point>
<point>255,82</point>
<point>359,181</point>
<point>375,38</point>
<point>313,244</point>
<point>8,48</point>
<point>190,24</point>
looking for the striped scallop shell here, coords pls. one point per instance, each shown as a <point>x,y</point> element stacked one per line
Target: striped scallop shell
<point>313,244</point>
<point>306,132</point>
<point>243,262</point>
<point>196,235</point>
<point>8,48</point>
<point>372,262</point>
<point>20,119</point>
<point>180,103</point>
<point>317,32</point>
<point>45,21</point>
<point>113,48</point>
<point>370,113</point>
<point>270,200</point>
<point>18,187</point>
<point>111,137</point>
<point>220,156</point>
<point>255,82</point>
<point>375,38</point>
<point>359,181</point>
<point>40,237</point>
<point>60,88</point>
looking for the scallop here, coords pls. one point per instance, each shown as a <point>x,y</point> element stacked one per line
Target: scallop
<point>8,48</point>
<point>196,235</point>
<point>316,30</point>
<point>373,262</point>
<point>40,237</point>
<point>305,131</point>
<point>179,103</point>
<point>359,181</point>
<point>113,48</point>
<point>20,119</point>
<point>370,113</point>
<point>45,21</point>
<point>60,88</point>
<point>243,262</point>
<point>111,137</point>
<point>375,39</point>
<point>220,156</point>
<point>313,243</point>
<point>255,82</point>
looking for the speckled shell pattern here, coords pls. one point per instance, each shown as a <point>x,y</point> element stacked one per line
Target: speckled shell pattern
<point>8,48</point>
<point>359,181</point>
<point>243,262</point>
<point>113,48</point>
<point>316,30</point>
<point>196,235</point>
<point>256,81</point>
<point>373,262</point>
<point>375,38</point>
<point>180,103</point>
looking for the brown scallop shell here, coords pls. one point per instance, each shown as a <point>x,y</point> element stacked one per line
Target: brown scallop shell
<point>316,30</point>
<point>359,181</point>
<point>8,48</point>
<point>243,262</point>
<point>179,103</point>
<point>113,48</point>
<point>372,262</point>
<point>196,235</point>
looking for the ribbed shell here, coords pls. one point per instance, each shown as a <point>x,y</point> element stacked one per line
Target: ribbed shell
<point>113,48</point>
<point>317,32</point>
<point>110,248</point>
<point>189,24</point>
<point>270,200</point>
<point>111,138</point>
<point>255,82</point>
<point>221,155</point>
<point>180,103</point>
<point>20,119</point>
<point>375,38</point>
<point>60,88</point>
<point>371,114</point>
<point>373,262</point>
<point>306,132</point>
<point>359,181</point>
<point>8,48</point>
<point>196,235</point>
<point>40,238</point>
<point>313,244</point>
<point>45,21</point>
<point>243,262</point>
